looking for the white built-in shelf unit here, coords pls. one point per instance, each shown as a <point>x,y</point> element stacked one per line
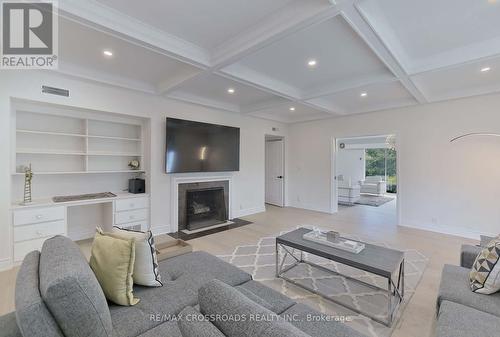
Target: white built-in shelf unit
<point>56,142</point>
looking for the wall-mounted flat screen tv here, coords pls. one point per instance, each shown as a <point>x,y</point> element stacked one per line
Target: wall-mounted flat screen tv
<point>201,147</point>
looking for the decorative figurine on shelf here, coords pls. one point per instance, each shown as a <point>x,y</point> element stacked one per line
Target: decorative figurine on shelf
<point>134,164</point>
<point>28,177</point>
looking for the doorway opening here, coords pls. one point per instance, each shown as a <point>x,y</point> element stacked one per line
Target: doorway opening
<point>275,170</point>
<point>366,174</point>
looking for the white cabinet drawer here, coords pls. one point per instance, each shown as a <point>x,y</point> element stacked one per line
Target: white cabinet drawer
<point>131,203</point>
<point>131,216</point>
<point>23,248</point>
<point>30,216</point>
<point>40,230</point>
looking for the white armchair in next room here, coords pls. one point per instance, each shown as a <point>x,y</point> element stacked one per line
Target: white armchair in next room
<point>374,185</point>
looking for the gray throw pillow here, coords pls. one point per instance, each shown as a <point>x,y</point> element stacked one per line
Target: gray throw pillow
<point>238,316</point>
<point>193,323</point>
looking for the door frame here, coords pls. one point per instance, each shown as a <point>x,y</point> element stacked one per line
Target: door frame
<point>283,148</point>
<point>334,143</point>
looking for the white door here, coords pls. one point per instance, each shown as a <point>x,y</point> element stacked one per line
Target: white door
<point>274,172</point>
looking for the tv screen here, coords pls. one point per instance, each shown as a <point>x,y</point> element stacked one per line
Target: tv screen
<point>201,147</point>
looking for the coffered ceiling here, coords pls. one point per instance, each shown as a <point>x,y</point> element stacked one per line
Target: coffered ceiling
<point>287,60</point>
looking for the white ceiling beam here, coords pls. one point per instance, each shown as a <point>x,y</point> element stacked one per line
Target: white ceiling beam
<point>336,88</point>
<point>268,104</point>
<point>297,16</point>
<point>209,103</point>
<point>91,75</point>
<point>257,80</point>
<point>294,17</point>
<point>94,13</point>
<point>354,17</point>
<point>322,105</point>
<point>330,110</point>
<point>171,83</point>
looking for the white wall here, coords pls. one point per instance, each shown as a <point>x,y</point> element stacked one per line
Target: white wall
<point>447,187</point>
<point>248,183</point>
<point>351,164</point>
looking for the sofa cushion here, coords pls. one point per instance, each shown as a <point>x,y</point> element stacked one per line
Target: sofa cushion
<point>9,326</point>
<point>329,327</point>
<point>245,318</point>
<point>167,329</point>
<point>192,323</point>
<point>265,296</point>
<point>456,320</point>
<point>182,276</point>
<point>71,291</point>
<point>455,288</point>
<point>33,317</point>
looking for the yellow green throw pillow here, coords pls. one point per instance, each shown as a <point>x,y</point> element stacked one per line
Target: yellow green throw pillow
<point>112,261</point>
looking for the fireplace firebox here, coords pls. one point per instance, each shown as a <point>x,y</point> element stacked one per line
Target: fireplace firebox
<point>203,204</point>
<point>205,207</point>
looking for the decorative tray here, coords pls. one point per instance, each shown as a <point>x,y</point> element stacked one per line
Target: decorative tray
<point>342,243</point>
<point>168,247</point>
<point>80,197</point>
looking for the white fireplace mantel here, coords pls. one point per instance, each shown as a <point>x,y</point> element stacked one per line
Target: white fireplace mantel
<point>187,179</point>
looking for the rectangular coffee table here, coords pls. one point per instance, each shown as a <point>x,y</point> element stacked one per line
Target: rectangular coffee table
<point>381,261</point>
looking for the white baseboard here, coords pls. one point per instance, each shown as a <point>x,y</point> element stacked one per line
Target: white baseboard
<point>248,211</point>
<point>5,264</point>
<point>448,230</point>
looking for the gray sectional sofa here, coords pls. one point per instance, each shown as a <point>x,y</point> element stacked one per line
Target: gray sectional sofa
<point>462,313</point>
<point>57,294</point>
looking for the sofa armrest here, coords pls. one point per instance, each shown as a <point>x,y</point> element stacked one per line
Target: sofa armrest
<point>468,255</point>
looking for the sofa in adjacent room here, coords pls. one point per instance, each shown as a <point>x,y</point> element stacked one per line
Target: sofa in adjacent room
<point>57,294</point>
<point>374,185</point>
<point>461,312</point>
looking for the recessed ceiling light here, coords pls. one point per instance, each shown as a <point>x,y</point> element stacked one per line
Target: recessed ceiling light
<point>363,94</point>
<point>485,69</point>
<point>230,91</point>
<point>292,108</point>
<point>108,53</point>
<point>312,63</point>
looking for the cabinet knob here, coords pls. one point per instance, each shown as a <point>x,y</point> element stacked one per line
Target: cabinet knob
<point>39,233</point>
<point>39,216</point>
<point>131,217</point>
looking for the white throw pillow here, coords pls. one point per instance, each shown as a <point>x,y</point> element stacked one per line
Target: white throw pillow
<point>146,272</point>
<point>485,274</point>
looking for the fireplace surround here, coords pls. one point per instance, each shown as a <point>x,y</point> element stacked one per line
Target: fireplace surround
<point>200,202</point>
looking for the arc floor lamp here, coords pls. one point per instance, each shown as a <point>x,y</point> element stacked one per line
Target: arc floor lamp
<point>475,134</point>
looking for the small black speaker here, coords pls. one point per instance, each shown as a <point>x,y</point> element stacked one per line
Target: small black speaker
<point>137,186</point>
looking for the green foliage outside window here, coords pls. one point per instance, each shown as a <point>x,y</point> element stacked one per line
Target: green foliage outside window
<point>376,166</point>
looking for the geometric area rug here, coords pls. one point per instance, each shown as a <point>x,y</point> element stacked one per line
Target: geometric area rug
<point>259,261</point>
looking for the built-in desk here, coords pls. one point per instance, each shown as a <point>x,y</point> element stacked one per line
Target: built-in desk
<point>34,223</point>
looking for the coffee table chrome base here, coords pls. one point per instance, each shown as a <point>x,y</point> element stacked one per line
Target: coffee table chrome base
<point>394,291</point>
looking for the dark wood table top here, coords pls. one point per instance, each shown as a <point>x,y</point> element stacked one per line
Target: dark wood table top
<point>374,259</point>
